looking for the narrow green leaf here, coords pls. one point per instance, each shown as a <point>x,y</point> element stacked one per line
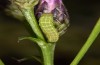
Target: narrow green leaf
<point>1,63</point>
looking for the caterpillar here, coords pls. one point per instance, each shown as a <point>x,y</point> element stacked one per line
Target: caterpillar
<point>47,26</point>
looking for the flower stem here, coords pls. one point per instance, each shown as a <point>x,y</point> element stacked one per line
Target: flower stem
<point>48,54</point>
<point>29,14</point>
<point>87,44</point>
<point>46,48</point>
<point>1,63</point>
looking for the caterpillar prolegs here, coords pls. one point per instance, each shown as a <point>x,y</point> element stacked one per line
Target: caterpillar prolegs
<point>47,26</point>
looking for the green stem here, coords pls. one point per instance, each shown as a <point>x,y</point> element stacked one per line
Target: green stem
<point>1,63</point>
<point>46,48</point>
<point>88,43</point>
<point>47,51</point>
<point>29,14</point>
<point>48,54</point>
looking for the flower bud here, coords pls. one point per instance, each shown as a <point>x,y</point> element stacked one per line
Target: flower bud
<point>57,8</point>
<point>15,6</point>
<point>13,10</point>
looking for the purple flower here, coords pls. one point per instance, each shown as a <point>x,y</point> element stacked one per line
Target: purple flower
<point>57,8</point>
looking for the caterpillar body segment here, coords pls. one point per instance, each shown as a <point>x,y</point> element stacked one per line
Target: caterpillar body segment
<point>47,26</point>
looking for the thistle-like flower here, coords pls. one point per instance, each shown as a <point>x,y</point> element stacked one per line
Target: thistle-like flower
<point>57,8</point>
<point>13,10</point>
<point>15,6</point>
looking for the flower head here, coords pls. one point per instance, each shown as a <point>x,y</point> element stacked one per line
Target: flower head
<point>57,8</point>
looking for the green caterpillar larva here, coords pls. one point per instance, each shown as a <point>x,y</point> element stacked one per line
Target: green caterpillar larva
<point>48,28</point>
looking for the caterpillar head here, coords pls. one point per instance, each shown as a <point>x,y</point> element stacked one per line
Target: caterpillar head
<point>57,8</point>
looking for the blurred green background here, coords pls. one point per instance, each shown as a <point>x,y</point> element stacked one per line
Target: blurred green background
<point>83,16</point>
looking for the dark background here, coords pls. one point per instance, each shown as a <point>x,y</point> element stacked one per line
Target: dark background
<point>83,16</point>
